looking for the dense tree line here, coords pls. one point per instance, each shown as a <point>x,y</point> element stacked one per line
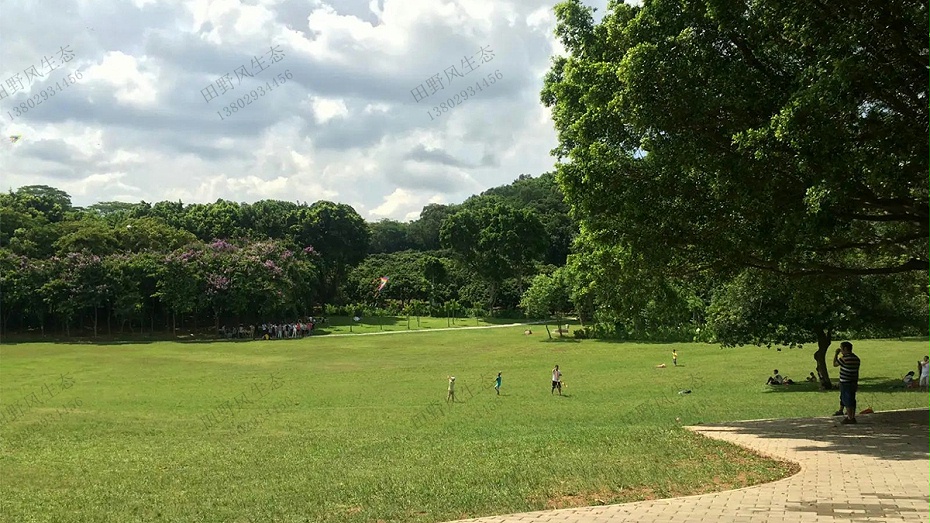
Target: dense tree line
<point>130,266</point>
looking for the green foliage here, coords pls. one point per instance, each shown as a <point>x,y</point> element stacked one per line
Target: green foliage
<point>425,231</point>
<point>389,236</point>
<point>542,196</point>
<point>496,241</point>
<point>761,308</point>
<point>755,134</point>
<point>47,201</point>
<point>339,234</point>
<point>704,139</point>
<point>546,296</point>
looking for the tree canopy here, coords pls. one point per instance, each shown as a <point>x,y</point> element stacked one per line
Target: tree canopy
<point>721,134</point>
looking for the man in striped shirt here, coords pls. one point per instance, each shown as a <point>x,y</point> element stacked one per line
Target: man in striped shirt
<point>849,379</point>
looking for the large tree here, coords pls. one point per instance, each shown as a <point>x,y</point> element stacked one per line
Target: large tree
<point>709,137</point>
<point>389,236</point>
<point>721,134</point>
<point>496,240</point>
<point>546,296</point>
<point>339,235</point>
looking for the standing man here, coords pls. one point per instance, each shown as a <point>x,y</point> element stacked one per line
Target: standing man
<point>849,379</point>
<point>497,384</point>
<point>556,380</point>
<point>924,372</point>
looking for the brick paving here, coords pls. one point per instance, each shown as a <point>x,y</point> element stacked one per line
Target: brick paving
<point>877,470</point>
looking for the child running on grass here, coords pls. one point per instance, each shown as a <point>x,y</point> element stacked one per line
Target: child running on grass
<point>497,384</point>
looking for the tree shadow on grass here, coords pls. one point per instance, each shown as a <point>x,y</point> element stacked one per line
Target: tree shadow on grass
<point>556,339</point>
<point>867,385</point>
<point>894,435</point>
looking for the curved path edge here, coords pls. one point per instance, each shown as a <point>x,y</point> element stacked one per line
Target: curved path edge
<point>876,470</point>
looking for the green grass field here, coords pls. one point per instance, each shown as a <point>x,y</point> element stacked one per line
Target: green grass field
<point>356,428</point>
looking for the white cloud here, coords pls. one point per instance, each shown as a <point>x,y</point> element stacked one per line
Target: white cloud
<point>345,128</point>
<point>403,205</point>
<point>134,79</point>
<point>325,109</point>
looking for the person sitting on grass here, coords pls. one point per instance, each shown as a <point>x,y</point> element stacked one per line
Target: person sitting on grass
<point>778,379</point>
<point>909,381</point>
<point>811,378</point>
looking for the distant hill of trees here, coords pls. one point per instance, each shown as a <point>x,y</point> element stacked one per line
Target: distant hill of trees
<point>154,266</point>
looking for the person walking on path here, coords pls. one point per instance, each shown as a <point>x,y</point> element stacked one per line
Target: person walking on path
<point>451,395</point>
<point>924,373</point>
<point>497,384</point>
<point>849,379</point>
<point>556,380</point>
<point>675,357</point>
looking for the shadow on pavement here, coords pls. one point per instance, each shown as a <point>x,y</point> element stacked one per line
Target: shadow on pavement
<point>893,435</point>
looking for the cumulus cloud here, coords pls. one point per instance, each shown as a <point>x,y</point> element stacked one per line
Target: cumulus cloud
<point>297,100</point>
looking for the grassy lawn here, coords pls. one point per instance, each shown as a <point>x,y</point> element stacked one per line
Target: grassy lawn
<point>346,325</point>
<point>333,325</point>
<point>356,428</point>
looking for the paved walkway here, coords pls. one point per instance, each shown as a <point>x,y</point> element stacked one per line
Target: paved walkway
<point>876,470</point>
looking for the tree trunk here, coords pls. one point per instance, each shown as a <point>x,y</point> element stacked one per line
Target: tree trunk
<point>95,322</point>
<point>546,324</point>
<point>824,338</point>
<point>109,328</point>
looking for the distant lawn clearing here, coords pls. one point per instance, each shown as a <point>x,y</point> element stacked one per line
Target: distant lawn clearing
<point>342,428</point>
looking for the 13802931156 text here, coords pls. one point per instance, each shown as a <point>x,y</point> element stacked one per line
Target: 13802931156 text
<point>464,94</point>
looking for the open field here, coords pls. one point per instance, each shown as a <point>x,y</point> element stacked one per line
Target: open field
<point>333,325</point>
<point>356,429</point>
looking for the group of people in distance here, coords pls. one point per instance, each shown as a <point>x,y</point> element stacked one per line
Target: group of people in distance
<point>271,331</point>
<point>298,329</point>
<point>556,384</point>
